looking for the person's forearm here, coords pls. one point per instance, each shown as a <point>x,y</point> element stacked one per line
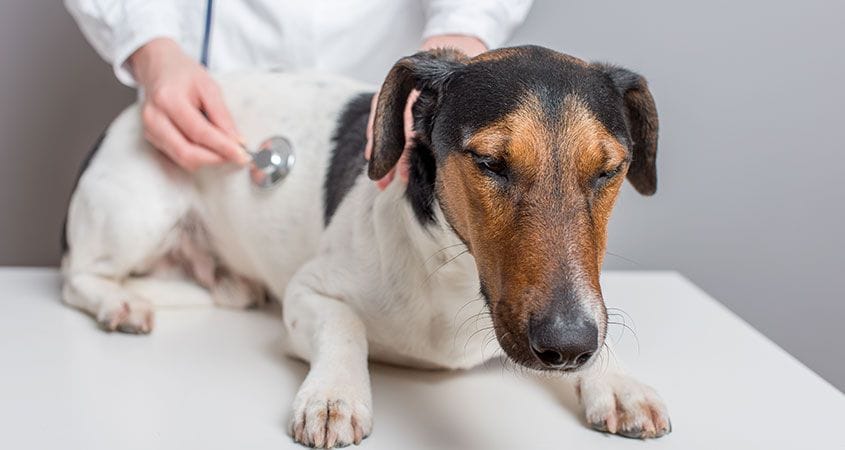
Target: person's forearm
<point>470,45</point>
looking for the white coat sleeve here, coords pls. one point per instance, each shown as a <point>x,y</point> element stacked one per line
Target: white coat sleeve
<point>116,28</point>
<point>492,21</point>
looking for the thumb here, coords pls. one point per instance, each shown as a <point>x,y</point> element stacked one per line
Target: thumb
<point>368,148</point>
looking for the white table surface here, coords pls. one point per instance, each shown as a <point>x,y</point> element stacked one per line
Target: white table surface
<point>209,378</point>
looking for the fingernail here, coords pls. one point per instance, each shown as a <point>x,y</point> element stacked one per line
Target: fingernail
<point>242,141</point>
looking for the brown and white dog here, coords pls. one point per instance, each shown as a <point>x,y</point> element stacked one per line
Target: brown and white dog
<point>519,156</point>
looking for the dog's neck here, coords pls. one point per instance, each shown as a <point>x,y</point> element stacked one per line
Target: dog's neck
<point>404,242</point>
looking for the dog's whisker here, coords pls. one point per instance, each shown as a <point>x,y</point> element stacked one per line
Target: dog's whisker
<point>459,244</point>
<point>611,354</point>
<point>604,357</point>
<point>618,337</point>
<point>484,309</point>
<point>633,332</point>
<point>616,255</point>
<point>505,359</point>
<point>488,338</point>
<point>458,312</point>
<point>458,329</point>
<point>623,313</point>
<point>480,315</point>
<point>625,318</point>
<point>442,265</point>
<point>499,352</point>
<point>475,333</point>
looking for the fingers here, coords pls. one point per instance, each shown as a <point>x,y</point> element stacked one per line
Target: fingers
<point>184,113</point>
<point>368,149</point>
<point>197,129</point>
<point>408,116</point>
<point>165,136</point>
<point>403,165</point>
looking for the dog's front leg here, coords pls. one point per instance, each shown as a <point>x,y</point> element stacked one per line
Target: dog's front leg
<point>615,402</point>
<point>333,405</point>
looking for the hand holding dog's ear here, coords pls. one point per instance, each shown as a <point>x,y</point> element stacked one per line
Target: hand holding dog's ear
<point>641,117</point>
<point>390,128</point>
<point>401,167</point>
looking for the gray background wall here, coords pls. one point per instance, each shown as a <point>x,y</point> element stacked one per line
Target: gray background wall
<point>750,93</point>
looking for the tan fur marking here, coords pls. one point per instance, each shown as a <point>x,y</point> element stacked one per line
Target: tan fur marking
<point>498,54</point>
<point>597,151</point>
<point>547,223</point>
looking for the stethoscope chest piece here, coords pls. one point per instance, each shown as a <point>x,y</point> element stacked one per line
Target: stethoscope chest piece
<point>272,162</point>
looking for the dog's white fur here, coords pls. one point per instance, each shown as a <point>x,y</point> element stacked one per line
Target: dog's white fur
<point>372,285</point>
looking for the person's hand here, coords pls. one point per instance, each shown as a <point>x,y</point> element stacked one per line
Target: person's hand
<point>183,113</point>
<point>469,45</point>
<point>408,121</point>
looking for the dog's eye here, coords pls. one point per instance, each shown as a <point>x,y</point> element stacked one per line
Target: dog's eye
<point>605,176</point>
<point>489,165</point>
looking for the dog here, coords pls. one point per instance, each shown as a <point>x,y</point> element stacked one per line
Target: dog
<point>517,160</point>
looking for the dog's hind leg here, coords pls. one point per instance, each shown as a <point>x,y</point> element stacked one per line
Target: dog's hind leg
<point>109,267</point>
<point>114,307</point>
<point>105,256</point>
<point>333,405</point>
<point>110,273</point>
<point>120,227</point>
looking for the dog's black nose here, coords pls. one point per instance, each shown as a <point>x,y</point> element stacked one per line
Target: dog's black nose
<point>563,341</point>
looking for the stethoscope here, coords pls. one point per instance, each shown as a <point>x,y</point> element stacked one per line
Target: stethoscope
<point>274,159</point>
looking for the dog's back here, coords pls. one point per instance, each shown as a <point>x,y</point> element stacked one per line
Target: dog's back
<point>134,213</point>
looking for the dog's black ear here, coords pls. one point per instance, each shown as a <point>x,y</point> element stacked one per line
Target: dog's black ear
<point>427,71</point>
<point>641,117</point>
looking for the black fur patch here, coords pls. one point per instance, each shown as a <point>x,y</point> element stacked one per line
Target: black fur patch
<point>347,161</point>
<point>421,177</point>
<point>85,163</point>
<point>483,92</point>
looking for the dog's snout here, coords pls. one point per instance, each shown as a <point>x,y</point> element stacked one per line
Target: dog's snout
<point>563,341</point>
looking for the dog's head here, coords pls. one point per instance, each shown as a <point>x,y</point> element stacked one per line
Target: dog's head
<point>524,150</point>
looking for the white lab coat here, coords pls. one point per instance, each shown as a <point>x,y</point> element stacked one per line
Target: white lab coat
<point>359,38</point>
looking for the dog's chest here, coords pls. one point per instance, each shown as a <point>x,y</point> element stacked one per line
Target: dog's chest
<point>445,325</point>
<point>416,289</point>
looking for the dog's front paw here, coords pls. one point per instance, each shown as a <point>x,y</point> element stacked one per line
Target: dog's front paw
<point>622,405</point>
<point>129,316</point>
<point>327,418</point>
